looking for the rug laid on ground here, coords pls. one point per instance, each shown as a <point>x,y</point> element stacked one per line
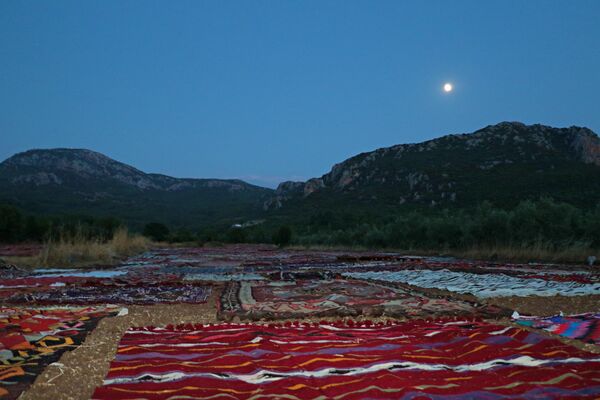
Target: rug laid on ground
<point>438,359</point>
<point>337,297</point>
<point>115,294</point>
<point>31,339</point>
<point>584,327</point>
<point>481,285</point>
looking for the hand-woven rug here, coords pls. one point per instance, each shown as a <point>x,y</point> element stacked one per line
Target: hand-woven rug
<point>444,359</point>
<point>481,285</point>
<point>584,327</point>
<point>31,339</point>
<point>338,297</point>
<point>102,294</point>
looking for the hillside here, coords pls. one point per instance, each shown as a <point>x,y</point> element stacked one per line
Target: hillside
<point>76,181</point>
<point>503,163</point>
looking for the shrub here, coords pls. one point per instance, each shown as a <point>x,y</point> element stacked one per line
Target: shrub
<point>11,224</point>
<point>283,236</point>
<point>156,231</point>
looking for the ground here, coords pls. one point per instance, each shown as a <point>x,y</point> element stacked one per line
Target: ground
<point>307,286</point>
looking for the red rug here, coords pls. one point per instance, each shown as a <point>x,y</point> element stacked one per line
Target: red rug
<point>417,359</point>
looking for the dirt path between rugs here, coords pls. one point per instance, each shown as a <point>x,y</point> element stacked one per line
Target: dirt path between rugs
<point>546,306</point>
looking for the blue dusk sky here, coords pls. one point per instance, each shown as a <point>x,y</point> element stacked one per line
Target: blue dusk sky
<point>268,91</point>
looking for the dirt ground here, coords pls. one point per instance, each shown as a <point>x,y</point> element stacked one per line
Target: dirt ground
<point>537,305</point>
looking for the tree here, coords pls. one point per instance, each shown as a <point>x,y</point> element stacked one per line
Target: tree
<point>183,236</point>
<point>236,235</point>
<point>11,224</point>
<point>36,228</point>
<point>156,231</point>
<point>283,236</point>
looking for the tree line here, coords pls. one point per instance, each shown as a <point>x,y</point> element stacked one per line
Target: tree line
<point>16,226</point>
<point>556,225</point>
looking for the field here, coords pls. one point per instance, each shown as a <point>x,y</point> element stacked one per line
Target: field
<point>253,321</point>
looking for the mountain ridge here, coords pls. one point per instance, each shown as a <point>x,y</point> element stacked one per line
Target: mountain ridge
<point>83,181</point>
<point>51,158</point>
<point>502,163</point>
<point>535,148</point>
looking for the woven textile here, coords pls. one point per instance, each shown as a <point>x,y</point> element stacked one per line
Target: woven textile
<point>584,327</point>
<point>30,339</point>
<point>442,359</point>
<point>481,285</point>
<point>295,299</point>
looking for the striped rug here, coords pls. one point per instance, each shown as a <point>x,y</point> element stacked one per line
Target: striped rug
<point>584,327</point>
<point>441,359</point>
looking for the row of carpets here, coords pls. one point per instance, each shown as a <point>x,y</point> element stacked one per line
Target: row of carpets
<point>309,360</point>
<point>142,285</point>
<point>261,258</point>
<point>31,339</point>
<point>186,275</point>
<point>441,359</point>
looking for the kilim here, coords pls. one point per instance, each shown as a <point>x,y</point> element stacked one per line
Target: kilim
<point>295,299</point>
<point>102,294</point>
<point>482,285</point>
<point>31,339</point>
<point>584,327</point>
<point>442,359</point>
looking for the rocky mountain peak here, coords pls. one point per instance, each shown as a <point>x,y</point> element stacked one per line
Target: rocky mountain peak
<point>49,166</point>
<point>61,166</point>
<point>79,181</point>
<point>432,171</point>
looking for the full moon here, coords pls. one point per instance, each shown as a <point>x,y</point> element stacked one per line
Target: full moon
<point>448,87</point>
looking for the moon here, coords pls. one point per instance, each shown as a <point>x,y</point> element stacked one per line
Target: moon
<point>448,87</point>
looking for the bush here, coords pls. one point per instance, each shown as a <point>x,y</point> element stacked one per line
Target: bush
<point>183,236</point>
<point>156,231</point>
<point>283,236</point>
<point>236,235</point>
<point>11,224</point>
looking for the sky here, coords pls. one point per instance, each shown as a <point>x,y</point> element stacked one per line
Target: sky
<point>268,91</point>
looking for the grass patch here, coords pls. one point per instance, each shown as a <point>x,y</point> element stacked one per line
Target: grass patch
<point>78,250</point>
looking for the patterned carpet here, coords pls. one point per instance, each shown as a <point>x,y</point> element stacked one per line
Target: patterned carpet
<point>337,297</point>
<point>445,359</point>
<point>31,339</point>
<point>484,284</point>
<point>151,293</point>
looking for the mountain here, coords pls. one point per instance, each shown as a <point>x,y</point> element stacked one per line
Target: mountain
<point>503,163</point>
<point>77,181</point>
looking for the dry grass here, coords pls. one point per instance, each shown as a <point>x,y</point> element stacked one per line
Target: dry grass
<point>80,251</point>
